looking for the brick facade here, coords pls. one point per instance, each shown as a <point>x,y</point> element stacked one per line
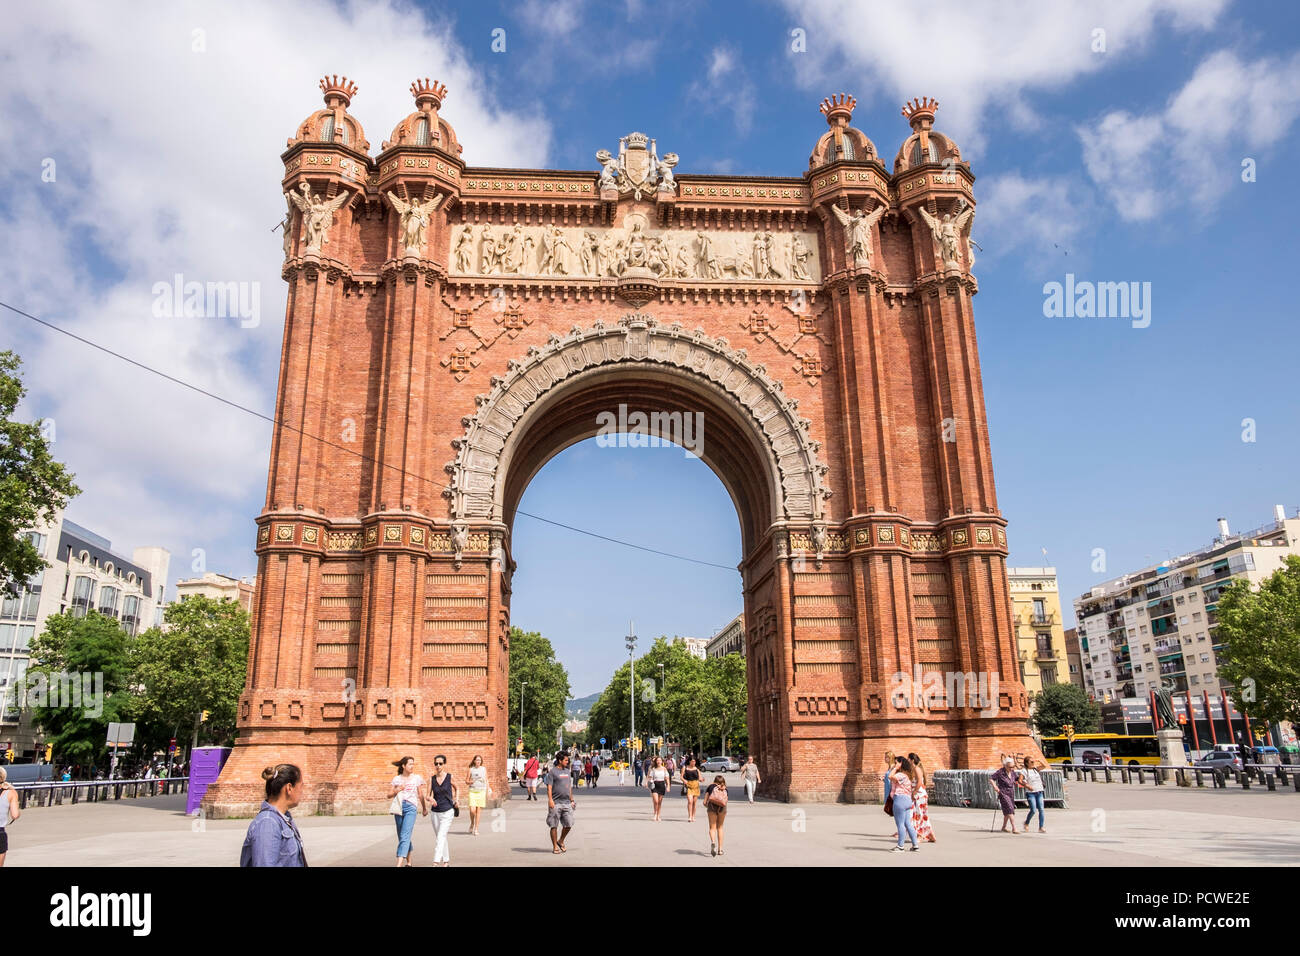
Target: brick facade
<point>427,375</point>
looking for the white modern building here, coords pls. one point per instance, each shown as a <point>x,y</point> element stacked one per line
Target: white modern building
<point>84,574</point>
<point>696,646</point>
<point>1157,624</point>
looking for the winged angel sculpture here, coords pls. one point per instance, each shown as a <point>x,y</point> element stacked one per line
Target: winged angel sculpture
<point>414,220</point>
<point>947,234</point>
<point>857,233</point>
<point>317,214</point>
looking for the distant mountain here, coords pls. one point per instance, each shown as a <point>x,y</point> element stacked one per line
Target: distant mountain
<point>580,707</point>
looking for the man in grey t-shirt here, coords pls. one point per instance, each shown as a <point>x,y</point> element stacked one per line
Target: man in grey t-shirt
<point>559,801</point>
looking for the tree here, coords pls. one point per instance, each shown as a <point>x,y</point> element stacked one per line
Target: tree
<point>33,486</point>
<point>532,660</point>
<point>198,663</point>
<point>79,683</point>
<point>1061,704</point>
<point>611,715</point>
<point>1260,633</point>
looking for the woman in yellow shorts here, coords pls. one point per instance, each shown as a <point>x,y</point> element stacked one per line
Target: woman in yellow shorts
<point>691,780</point>
<point>479,791</point>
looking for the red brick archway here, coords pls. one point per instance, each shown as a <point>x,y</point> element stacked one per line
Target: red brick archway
<point>450,329</point>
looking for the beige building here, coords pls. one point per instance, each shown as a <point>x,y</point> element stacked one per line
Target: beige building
<point>729,640</point>
<point>696,646</point>
<point>217,587</point>
<point>84,574</point>
<point>1040,632</point>
<point>1158,624</point>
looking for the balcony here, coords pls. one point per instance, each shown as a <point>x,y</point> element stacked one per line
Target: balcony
<point>1042,620</point>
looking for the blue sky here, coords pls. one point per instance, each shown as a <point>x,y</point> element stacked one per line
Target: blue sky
<point>1122,164</point>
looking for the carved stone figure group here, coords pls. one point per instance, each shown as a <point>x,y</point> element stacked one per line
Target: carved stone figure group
<point>613,253</point>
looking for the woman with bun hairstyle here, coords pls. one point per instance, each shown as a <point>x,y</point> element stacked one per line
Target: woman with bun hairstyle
<point>407,793</point>
<point>273,838</point>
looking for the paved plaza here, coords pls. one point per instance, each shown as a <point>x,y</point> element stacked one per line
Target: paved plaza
<point>1105,825</point>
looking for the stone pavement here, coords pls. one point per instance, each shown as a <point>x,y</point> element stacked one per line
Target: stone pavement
<point>1105,825</point>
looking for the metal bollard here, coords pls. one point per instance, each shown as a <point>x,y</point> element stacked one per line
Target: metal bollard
<point>1158,775</point>
<point>1106,771</point>
<point>1141,776</point>
<point>1200,778</point>
<point>1245,781</point>
<point>1272,781</point>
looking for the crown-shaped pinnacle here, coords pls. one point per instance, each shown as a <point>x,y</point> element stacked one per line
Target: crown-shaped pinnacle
<point>920,109</point>
<point>338,86</point>
<point>432,90</point>
<point>837,107</point>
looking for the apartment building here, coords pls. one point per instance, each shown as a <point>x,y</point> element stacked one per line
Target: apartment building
<point>1040,632</point>
<point>1158,624</point>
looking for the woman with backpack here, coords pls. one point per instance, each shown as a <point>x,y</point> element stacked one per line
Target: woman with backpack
<point>715,803</point>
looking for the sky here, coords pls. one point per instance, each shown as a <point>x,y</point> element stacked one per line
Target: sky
<point>1138,141</point>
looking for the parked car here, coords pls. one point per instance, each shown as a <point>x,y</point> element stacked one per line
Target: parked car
<point>721,764</point>
<point>1225,760</point>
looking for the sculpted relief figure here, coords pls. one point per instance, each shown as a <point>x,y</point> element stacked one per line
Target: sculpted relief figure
<point>414,221</point>
<point>609,169</point>
<point>947,235</point>
<point>550,250</point>
<point>317,214</point>
<point>286,227</point>
<point>857,233</point>
<point>799,256</point>
<point>464,251</point>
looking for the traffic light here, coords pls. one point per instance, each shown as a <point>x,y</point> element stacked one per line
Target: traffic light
<point>9,756</point>
<point>203,717</point>
<point>49,752</point>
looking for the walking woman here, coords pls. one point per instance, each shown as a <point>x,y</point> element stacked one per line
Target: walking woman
<point>751,776</point>
<point>273,838</point>
<point>586,770</point>
<point>1004,788</point>
<point>9,812</point>
<point>443,796</point>
<point>691,783</point>
<point>1032,780</point>
<point>657,781</point>
<point>921,804</point>
<point>479,791</point>
<point>904,781</point>
<point>715,805</point>
<point>407,794</point>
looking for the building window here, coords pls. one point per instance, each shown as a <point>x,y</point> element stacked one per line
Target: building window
<point>25,634</point>
<point>1196,615</point>
<point>422,131</point>
<point>1205,658</point>
<point>7,637</point>
<point>131,614</point>
<point>83,592</point>
<point>1194,679</point>
<point>1179,599</point>
<point>327,129</point>
<point>108,601</point>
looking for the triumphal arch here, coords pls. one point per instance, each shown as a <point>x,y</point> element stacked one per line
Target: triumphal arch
<point>451,328</point>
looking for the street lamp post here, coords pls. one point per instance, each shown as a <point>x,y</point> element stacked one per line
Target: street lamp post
<point>522,685</point>
<point>663,738</point>
<point>631,656</point>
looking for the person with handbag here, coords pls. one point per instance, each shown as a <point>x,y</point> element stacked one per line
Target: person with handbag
<point>691,787</point>
<point>1031,778</point>
<point>407,792</point>
<point>480,791</point>
<point>657,781</point>
<point>443,795</point>
<point>903,783</point>
<point>532,770</point>
<point>715,805</point>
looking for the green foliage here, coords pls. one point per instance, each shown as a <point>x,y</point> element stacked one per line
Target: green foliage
<point>92,645</point>
<point>532,659</point>
<point>1061,704</point>
<point>698,702</point>
<point>1260,632</point>
<point>198,663</point>
<point>33,486</point>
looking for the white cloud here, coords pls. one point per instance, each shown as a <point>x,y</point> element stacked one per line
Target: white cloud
<point>1228,110</point>
<point>168,162</point>
<point>974,57</point>
<point>726,88</point>
<point>1038,217</point>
